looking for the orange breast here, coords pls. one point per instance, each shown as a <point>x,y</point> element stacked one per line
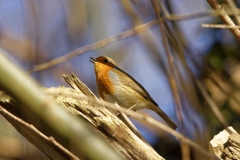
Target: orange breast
<point>103,81</point>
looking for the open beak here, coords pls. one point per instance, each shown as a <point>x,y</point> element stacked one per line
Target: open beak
<point>92,60</point>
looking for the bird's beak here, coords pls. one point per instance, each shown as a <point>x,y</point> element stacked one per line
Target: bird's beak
<point>92,60</point>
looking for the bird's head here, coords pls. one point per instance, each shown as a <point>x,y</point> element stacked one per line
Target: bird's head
<point>103,63</point>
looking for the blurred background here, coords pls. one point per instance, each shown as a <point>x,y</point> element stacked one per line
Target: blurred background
<point>205,64</point>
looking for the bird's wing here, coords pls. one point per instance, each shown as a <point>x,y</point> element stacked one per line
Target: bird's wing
<point>132,83</point>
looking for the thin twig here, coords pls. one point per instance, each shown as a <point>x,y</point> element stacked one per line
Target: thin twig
<point>94,46</point>
<point>232,4</point>
<point>223,26</point>
<point>225,18</point>
<point>212,104</point>
<point>201,87</point>
<point>58,147</point>
<point>214,12</point>
<point>131,32</point>
<point>172,81</point>
<point>172,78</point>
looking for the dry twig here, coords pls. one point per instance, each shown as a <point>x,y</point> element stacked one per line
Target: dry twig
<point>48,145</point>
<point>225,18</point>
<point>222,26</point>
<point>131,32</point>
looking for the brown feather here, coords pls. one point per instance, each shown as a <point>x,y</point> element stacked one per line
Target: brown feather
<point>129,81</point>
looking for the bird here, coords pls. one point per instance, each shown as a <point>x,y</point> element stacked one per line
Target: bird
<point>115,85</point>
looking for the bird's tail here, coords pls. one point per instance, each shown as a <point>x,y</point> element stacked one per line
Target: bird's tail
<point>165,117</point>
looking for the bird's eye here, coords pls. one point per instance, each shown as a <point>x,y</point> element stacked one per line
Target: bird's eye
<point>105,60</point>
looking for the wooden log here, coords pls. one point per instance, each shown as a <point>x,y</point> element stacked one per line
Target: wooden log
<point>226,145</point>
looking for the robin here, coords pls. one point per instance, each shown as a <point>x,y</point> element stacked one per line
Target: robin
<point>115,85</point>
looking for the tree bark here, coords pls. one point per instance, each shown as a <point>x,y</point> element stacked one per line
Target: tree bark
<point>101,120</point>
<point>226,145</point>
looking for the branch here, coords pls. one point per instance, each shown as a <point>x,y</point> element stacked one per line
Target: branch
<point>226,144</point>
<point>128,33</point>
<point>222,26</point>
<point>225,18</point>
<point>48,145</point>
<point>232,4</point>
<point>147,120</point>
<point>211,104</point>
<point>94,46</point>
<point>41,111</point>
<point>98,117</point>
